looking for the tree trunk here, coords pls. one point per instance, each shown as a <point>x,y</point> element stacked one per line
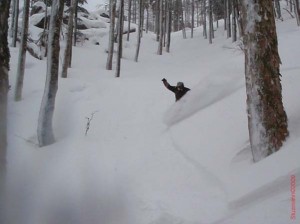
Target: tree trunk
<point>12,22</point>
<point>140,30</point>
<point>16,20</point>
<point>45,130</point>
<point>120,39</point>
<point>210,31</point>
<point>297,12</point>
<point>68,50</point>
<point>4,87</point>
<point>129,18</point>
<point>228,10</point>
<point>234,19</point>
<point>111,35</point>
<point>193,18</point>
<point>75,23</point>
<point>22,52</point>
<point>278,9</point>
<point>44,36</point>
<point>204,19</point>
<point>161,30</point>
<point>267,119</point>
<point>169,26</point>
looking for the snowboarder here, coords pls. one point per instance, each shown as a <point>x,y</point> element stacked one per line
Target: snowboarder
<point>179,89</point>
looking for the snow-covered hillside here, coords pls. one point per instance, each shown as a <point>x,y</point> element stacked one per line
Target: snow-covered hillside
<point>147,159</point>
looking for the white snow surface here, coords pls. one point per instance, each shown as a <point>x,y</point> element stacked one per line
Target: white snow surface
<point>147,159</point>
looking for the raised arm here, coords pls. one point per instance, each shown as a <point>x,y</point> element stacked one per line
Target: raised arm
<point>168,86</point>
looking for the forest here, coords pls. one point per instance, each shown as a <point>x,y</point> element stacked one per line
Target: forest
<point>89,133</point>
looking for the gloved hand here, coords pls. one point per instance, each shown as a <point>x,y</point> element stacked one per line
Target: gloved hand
<point>164,80</point>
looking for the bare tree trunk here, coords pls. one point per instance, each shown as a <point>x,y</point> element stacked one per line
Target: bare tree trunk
<point>267,119</point>
<point>129,18</point>
<point>15,28</point>
<point>169,25</point>
<point>140,29</point>
<point>12,22</point>
<point>68,50</point>
<point>147,19</point>
<point>161,30</point>
<point>234,19</point>
<point>45,27</point>
<point>210,31</point>
<point>45,131</point>
<point>120,39</point>
<point>4,87</point>
<point>228,28</point>
<point>297,11</point>
<point>75,23</point>
<point>111,35</point>
<point>278,9</point>
<point>182,20</point>
<point>204,19</point>
<point>157,19</point>
<point>193,18</point>
<point>22,53</point>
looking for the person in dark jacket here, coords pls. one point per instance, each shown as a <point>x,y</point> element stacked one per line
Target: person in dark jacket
<point>180,90</point>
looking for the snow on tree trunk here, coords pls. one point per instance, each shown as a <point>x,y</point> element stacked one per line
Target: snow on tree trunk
<point>139,31</point>
<point>22,52</point>
<point>68,50</point>
<point>111,35</point>
<point>267,119</point>
<point>45,130</point>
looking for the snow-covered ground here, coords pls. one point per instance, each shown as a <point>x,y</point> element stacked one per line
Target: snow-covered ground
<point>146,159</point>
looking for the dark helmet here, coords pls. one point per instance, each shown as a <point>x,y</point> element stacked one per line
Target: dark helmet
<point>180,84</point>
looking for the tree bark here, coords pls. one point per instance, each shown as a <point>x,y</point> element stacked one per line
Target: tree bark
<point>169,26</point>
<point>193,18</point>
<point>120,38</point>
<point>68,50</point>
<point>16,22</point>
<point>234,21</point>
<point>4,87</point>
<point>129,18</point>
<point>140,30</point>
<point>161,30</point>
<point>111,35</point>
<point>204,19</point>
<point>22,53</point>
<point>297,11</point>
<point>267,119</point>
<point>45,130</point>
<point>211,28</point>
<point>75,23</point>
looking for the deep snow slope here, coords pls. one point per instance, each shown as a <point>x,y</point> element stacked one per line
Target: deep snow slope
<point>146,159</point>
